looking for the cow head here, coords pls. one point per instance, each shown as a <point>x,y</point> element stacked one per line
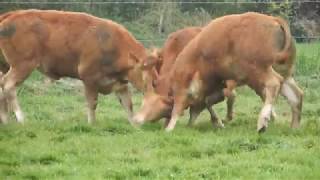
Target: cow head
<point>140,75</point>
<point>145,69</point>
<point>153,60</point>
<point>157,102</point>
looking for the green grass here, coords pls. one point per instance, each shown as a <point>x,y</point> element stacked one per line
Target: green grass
<point>308,59</point>
<point>57,143</point>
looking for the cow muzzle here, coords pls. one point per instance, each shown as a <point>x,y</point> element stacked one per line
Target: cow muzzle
<point>138,120</point>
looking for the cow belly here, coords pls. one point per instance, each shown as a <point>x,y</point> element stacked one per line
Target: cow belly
<point>56,69</point>
<point>108,85</point>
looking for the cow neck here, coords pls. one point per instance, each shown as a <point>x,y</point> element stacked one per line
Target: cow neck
<point>163,86</point>
<point>167,65</point>
<point>136,47</point>
<point>138,50</point>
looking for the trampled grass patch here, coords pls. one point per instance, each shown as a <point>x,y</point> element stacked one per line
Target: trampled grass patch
<point>57,143</point>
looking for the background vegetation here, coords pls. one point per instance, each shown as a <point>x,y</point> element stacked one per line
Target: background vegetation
<point>57,143</point>
<point>154,20</point>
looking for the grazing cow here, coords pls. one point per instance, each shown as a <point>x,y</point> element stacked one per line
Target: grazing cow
<point>242,48</point>
<point>101,53</point>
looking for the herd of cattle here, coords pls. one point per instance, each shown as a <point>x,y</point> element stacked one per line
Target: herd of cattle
<point>196,68</point>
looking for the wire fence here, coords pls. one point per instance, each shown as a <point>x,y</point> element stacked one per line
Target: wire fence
<point>153,2</point>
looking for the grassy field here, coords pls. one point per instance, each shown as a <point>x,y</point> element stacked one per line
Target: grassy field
<point>57,143</point>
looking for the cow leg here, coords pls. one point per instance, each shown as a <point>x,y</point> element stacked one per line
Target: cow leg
<point>124,97</point>
<point>166,122</point>
<point>91,93</point>
<point>273,114</point>
<point>229,92</point>
<point>3,106</point>
<point>216,122</point>
<point>15,105</point>
<point>210,101</point>
<point>230,103</point>
<point>194,112</point>
<point>270,93</point>
<point>294,96</point>
<point>178,108</point>
<point>3,111</point>
<point>14,77</point>
<point>176,113</point>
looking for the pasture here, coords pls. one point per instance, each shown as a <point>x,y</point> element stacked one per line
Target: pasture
<point>57,143</point>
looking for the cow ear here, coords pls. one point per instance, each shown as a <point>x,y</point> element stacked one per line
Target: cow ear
<point>154,57</point>
<point>137,63</point>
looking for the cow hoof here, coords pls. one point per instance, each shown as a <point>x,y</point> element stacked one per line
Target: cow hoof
<point>228,118</point>
<point>135,124</point>
<point>20,117</point>
<point>295,125</point>
<point>137,120</point>
<point>262,125</point>
<point>190,125</point>
<point>262,129</point>
<point>219,125</point>
<point>168,129</point>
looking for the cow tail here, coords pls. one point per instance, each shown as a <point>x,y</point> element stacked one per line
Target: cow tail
<point>283,55</point>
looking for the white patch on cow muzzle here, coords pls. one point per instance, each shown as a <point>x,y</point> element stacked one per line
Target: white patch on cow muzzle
<point>138,120</point>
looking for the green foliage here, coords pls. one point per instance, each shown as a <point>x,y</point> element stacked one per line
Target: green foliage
<point>143,19</point>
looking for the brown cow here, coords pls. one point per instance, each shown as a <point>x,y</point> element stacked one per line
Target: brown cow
<point>241,48</point>
<point>164,59</point>
<point>99,52</point>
